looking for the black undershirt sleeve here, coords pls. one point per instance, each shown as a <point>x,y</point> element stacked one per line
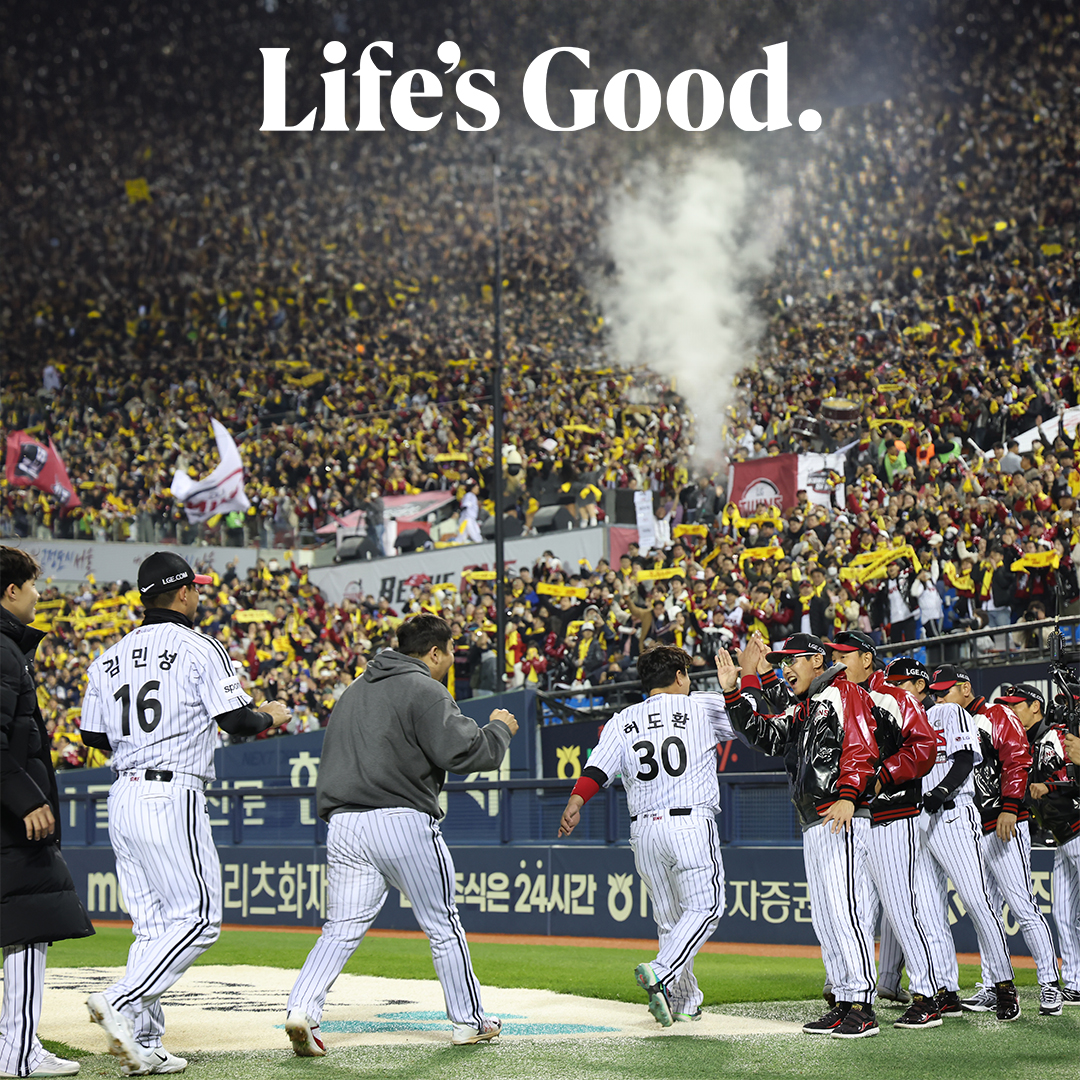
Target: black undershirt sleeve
<point>595,775</point>
<point>963,763</point>
<point>244,721</point>
<point>97,739</point>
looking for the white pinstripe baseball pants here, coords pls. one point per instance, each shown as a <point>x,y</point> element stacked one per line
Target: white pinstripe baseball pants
<point>366,852</point>
<point>1008,870</point>
<point>24,981</point>
<point>170,877</point>
<point>1066,909</point>
<point>679,860</point>
<point>952,841</point>
<point>838,883</point>
<point>902,890</point>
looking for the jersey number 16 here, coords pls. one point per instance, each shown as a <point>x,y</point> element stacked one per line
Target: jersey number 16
<point>148,708</point>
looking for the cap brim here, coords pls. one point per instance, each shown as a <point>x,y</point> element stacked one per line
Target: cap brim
<point>1010,700</point>
<point>944,685</point>
<point>848,648</point>
<point>203,579</point>
<point>779,654</point>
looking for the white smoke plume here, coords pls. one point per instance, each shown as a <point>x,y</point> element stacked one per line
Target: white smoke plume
<point>687,245</point>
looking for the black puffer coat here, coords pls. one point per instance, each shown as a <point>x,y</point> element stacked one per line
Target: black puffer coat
<point>39,902</point>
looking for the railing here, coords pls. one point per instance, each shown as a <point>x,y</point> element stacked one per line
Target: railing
<point>756,810</point>
<point>954,648</point>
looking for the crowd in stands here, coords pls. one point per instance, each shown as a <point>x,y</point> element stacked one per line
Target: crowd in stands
<point>330,301</point>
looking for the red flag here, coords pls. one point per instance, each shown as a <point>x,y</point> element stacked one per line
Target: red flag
<point>29,464</point>
<point>768,481</point>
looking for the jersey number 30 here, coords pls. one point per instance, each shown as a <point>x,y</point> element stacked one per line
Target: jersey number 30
<point>147,707</point>
<point>650,767</point>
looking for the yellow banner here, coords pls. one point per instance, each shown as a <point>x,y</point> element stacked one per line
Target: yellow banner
<point>661,575</point>
<point>1026,562</point>
<point>733,516</point>
<point>451,457</point>
<point>478,575</point>
<point>872,564</point>
<point>877,423</point>
<point>255,615</point>
<point>689,530</point>
<point>444,585</point>
<point>772,551</point>
<point>544,589</point>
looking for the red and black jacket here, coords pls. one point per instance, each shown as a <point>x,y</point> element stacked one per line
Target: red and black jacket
<point>826,739</point>
<point>908,746</point>
<point>1001,778</point>
<point>1059,809</point>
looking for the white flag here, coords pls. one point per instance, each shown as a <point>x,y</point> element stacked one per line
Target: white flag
<point>221,491</point>
<point>814,473</point>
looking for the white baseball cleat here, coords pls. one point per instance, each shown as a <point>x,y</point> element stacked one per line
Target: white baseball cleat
<point>134,1061</point>
<point>158,1062</point>
<point>467,1035</point>
<point>304,1035</point>
<point>51,1065</point>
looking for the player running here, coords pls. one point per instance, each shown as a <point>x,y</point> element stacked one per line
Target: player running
<point>665,750</point>
<point>155,701</point>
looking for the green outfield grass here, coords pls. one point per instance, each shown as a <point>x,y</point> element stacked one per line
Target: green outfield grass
<point>972,1047</point>
<point>602,973</point>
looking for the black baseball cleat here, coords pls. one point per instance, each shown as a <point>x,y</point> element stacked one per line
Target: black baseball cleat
<point>1008,1002</point>
<point>922,1013</point>
<point>860,1023</point>
<point>1070,996</point>
<point>948,1003</point>
<point>830,1021</point>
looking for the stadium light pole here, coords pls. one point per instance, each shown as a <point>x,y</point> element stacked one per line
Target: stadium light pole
<point>497,434</point>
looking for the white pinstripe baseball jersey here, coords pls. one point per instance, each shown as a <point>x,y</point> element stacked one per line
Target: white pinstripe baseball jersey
<point>955,731</point>
<point>665,750</point>
<point>155,694</point>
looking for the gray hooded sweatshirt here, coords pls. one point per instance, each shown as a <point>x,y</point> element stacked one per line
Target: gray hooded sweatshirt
<point>394,735</point>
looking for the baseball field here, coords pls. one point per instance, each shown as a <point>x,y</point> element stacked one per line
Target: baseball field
<point>569,1010</point>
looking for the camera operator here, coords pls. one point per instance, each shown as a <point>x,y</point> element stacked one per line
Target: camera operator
<point>1055,797</point>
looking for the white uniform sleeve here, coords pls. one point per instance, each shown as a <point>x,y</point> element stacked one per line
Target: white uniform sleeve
<point>960,733</point>
<point>609,753</point>
<point>712,704</point>
<point>219,685</point>
<point>93,717</point>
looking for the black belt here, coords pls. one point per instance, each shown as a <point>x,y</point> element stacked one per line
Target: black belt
<point>158,774</point>
<point>678,811</point>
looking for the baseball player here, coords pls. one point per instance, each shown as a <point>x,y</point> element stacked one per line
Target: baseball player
<point>1056,806</point>
<point>1001,781</point>
<point>908,748</point>
<point>391,739</point>
<point>827,740</point>
<point>911,677</point>
<point>665,750</point>
<point>155,701</point>
<point>951,833</point>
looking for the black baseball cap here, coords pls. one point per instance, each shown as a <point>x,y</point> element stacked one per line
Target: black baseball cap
<point>906,667</point>
<point>853,641</point>
<point>797,645</point>
<point>947,676</point>
<point>164,571</point>
<point>1014,693</point>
